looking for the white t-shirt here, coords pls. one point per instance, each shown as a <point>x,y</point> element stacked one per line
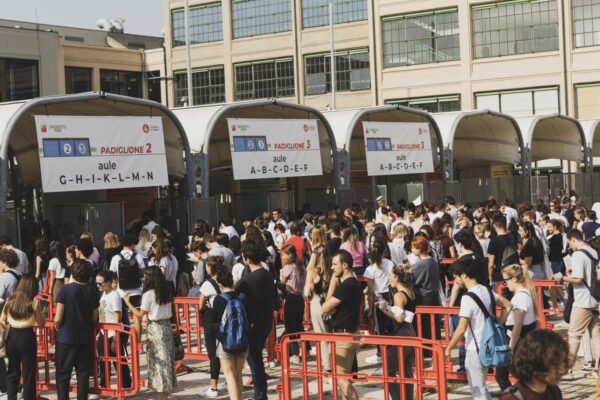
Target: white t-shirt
<point>23,261</point>
<point>470,309</point>
<point>155,311</point>
<point>208,290</point>
<point>230,231</point>
<point>143,251</point>
<point>237,271</point>
<point>581,266</point>
<point>522,301</point>
<point>380,275</point>
<point>114,267</point>
<point>170,265</point>
<point>59,271</point>
<point>397,252</point>
<point>485,243</point>
<point>109,303</point>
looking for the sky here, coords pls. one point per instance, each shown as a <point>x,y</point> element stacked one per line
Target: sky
<point>143,17</point>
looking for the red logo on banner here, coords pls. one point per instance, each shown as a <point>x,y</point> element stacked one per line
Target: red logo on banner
<point>233,128</point>
<point>43,128</point>
<point>145,128</point>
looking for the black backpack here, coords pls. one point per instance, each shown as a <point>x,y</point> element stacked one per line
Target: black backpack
<point>130,276</point>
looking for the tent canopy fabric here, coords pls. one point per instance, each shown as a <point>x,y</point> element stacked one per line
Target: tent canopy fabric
<point>553,136</point>
<point>17,127</point>
<point>592,135</point>
<point>480,137</point>
<point>347,127</point>
<point>208,132</point>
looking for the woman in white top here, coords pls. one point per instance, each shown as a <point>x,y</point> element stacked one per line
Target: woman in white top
<point>167,263</point>
<point>56,268</point>
<point>144,245</point>
<point>157,308</point>
<point>523,316</point>
<point>378,287</point>
<point>480,234</point>
<point>397,253</point>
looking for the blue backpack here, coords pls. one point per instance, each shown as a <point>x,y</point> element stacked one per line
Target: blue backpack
<point>493,349</point>
<point>234,329</point>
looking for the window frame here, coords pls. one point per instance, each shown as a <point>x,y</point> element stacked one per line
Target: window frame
<point>212,35</point>
<point>201,92</point>
<point>343,81</point>
<point>278,86</point>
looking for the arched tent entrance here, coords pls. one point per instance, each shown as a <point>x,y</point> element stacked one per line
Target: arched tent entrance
<point>557,137</point>
<point>481,149</point>
<point>592,140</point>
<point>93,210</point>
<point>208,132</point>
<point>358,186</point>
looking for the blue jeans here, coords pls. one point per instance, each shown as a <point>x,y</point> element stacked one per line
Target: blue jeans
<point>258,337</point>
<point>461,348</point>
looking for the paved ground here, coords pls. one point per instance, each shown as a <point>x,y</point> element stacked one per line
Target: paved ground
<point>574,386</point>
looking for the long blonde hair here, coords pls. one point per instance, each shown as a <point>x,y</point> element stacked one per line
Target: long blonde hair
<point>318,236</point>
<point>522,277</point>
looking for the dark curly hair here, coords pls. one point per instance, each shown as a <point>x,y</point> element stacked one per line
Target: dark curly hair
<point>9,257</point>
<point>540,351</point>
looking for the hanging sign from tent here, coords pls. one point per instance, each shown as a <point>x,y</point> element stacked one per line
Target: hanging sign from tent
<point>92,153</point>
<point>274,148</point>
<point>395,148</point>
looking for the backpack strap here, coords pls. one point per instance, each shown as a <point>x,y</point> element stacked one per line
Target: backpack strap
<point>594,263</point>
<point>484,310</point>
<point>214,285</point>
<point>514,391</point>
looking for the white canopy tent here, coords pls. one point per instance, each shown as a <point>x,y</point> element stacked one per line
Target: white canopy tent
<point>592,139</point>
<point>18,134</point>
<point>209,140</point>
<point>553,136</point>
<point>347,127</point>
<point>479,138</point>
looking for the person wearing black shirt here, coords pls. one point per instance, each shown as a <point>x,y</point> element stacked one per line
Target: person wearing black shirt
<point>556,245</point>
<point>532,255</point>
<point>345,301</point>
<point>259,288</point>
<point>590,226</point>
<point>496,248</point>
<point>335,239</point>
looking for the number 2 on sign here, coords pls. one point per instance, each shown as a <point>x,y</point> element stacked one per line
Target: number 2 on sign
<point>148,147</point>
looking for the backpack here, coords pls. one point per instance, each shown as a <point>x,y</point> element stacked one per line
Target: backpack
<point>130,276</point>
<point>234,329</point>
<point>494,350</point>
<point>510,255</point>
<point>594,288</point>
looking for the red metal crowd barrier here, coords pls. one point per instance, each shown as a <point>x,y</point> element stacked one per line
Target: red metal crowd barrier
<point>431,378</point>
<point>123,361</point>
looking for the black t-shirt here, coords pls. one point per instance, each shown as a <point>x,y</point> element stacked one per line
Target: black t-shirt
<point>259,288</point>
<point>79,301</point>
<point>496,248</point>
<point>333,245</point>
<point>589,229</point>
<point>555,243</point>
<point>349,292</point>
<point>529,250</point>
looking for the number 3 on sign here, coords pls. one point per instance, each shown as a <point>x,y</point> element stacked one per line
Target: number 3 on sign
<point>308,144</point>
<point>148,147</point>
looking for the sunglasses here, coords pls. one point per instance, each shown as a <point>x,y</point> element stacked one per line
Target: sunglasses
<point>505,281</point>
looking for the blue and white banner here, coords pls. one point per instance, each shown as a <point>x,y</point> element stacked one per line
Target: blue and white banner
<point>395,148</point>
<point>274,148</point>
<point>94,153</point>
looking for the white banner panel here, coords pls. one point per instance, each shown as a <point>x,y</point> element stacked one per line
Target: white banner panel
<point>274,148</point>
<point>92,153</point>
<point>395,148</point>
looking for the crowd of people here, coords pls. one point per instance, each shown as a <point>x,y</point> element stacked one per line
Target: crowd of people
<point>352,264</point>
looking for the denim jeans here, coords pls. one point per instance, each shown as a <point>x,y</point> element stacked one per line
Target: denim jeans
<point>258,337</point>
<point>476,376</point>
<point>461,347</point>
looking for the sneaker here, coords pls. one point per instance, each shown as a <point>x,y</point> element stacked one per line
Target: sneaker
<point>374,359</point>
<point>295,359</point>
<point>377,372</point>
<point>588,367</point>
<point>210,392</point>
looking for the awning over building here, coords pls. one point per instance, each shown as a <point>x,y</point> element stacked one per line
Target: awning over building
<point>480,138</point>
<point>348,130</point>
<point>592,135</point>
<point>553,136</point>
<point>208,134</point>
<point>17,129</point>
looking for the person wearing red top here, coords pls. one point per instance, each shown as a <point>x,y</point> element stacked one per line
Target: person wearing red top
<point>298,242</point>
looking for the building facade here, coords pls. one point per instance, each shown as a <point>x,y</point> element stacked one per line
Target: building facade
<point>522,57</point>
<point>40,60</point>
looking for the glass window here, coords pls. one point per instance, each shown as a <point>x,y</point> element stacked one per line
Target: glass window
<point>431,104</point>
<point>19,79</point>
<point>421,39</point>
<point>316,12</point>
<point>154,79</point>
<point>126,83</point>
<point>206,24</point>
<point>351,71</point>
<point>586,23</point>
<point>264,79</point>
<point>515,27</point>
<point>78,80</point>
<point>208,86</point>
<point>521,103</point>
<point>588,100</point>
<point>260,17</point>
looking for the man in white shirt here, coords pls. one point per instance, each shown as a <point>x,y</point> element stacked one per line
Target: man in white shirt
<point>218,247</point>
<point>584,315</point>
<point>6,243</point>
<point>129,242</point>
<point>381,205</point>
<point>150,216</point>
<point>467,274</point>
<point>277,218</point>
<point>227,228</point>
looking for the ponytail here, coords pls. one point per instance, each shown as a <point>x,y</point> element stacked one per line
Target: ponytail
<point>522,277</point>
